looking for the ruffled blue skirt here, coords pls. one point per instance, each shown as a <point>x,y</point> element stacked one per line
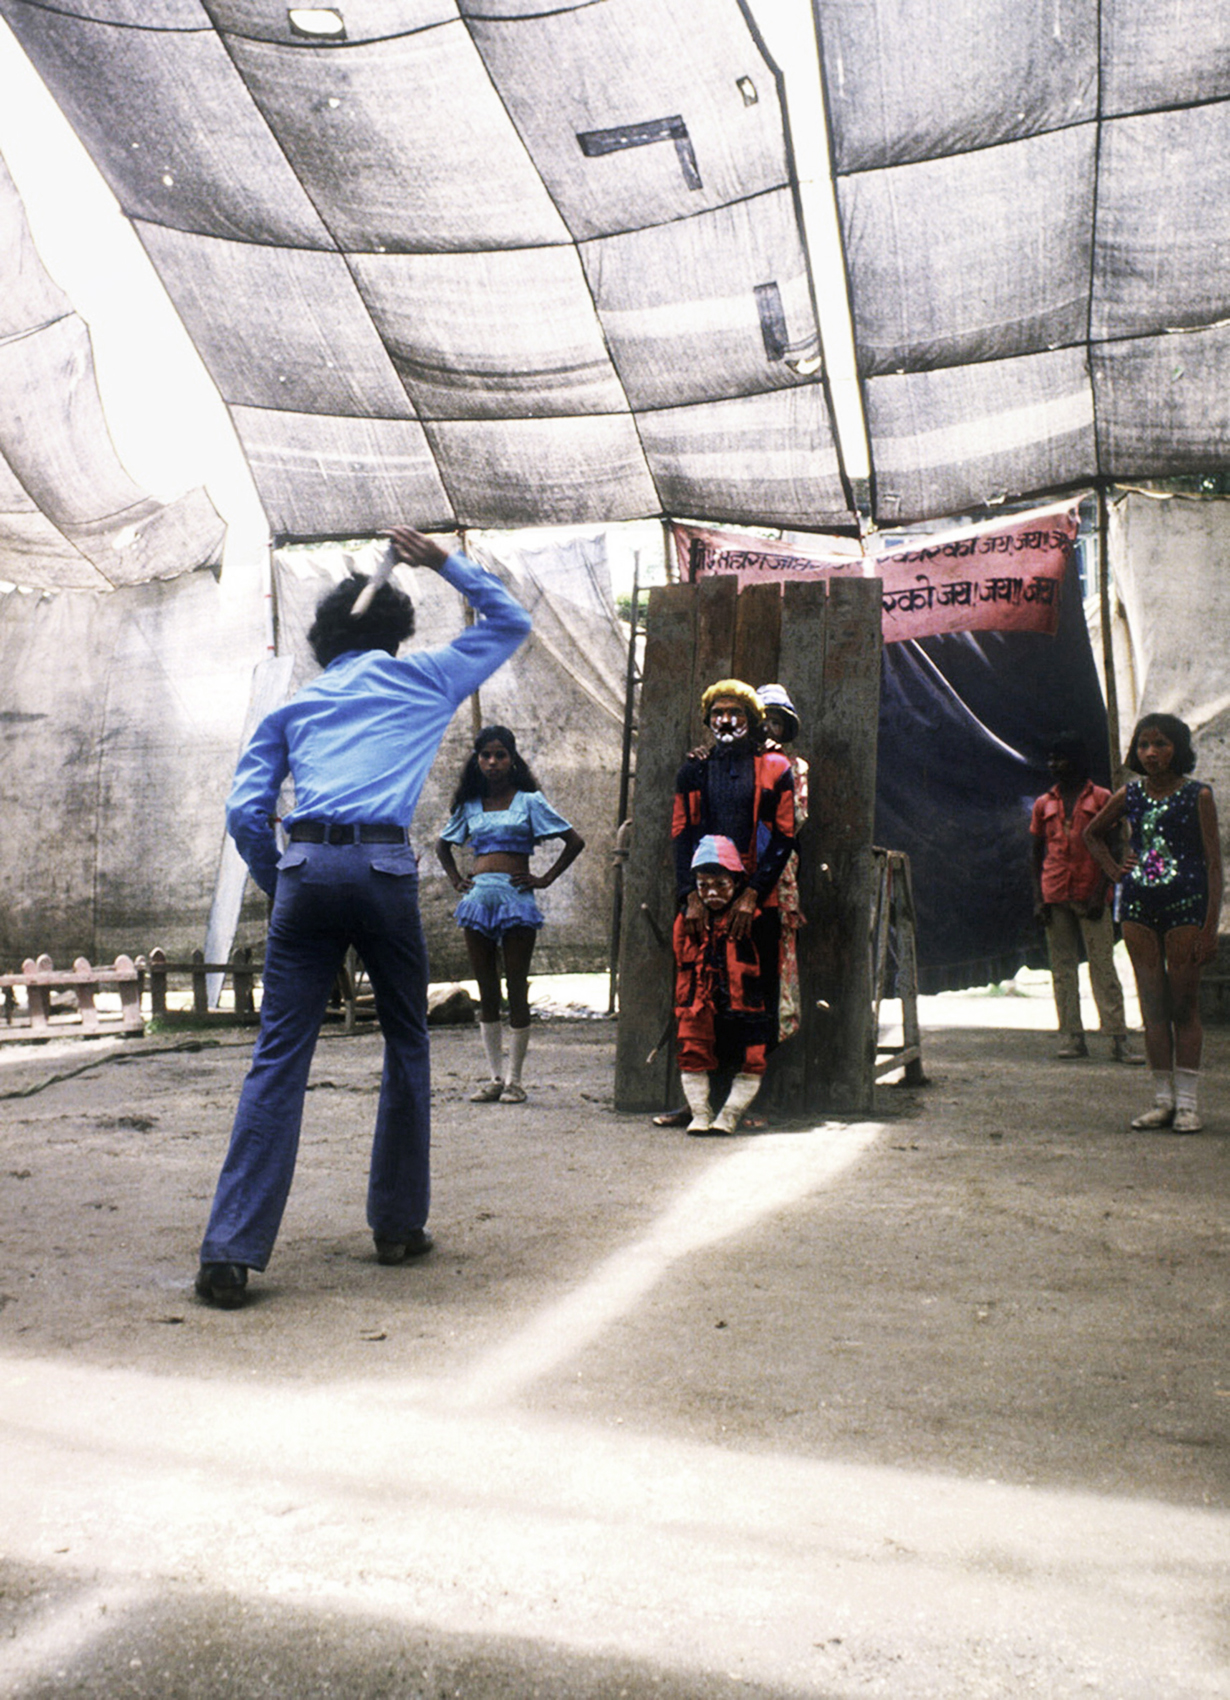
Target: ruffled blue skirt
<point>493,904</point>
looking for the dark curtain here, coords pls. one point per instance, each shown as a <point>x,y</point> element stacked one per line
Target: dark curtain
<point>965,722</point>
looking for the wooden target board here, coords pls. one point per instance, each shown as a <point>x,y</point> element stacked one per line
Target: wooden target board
<point>821,640</point>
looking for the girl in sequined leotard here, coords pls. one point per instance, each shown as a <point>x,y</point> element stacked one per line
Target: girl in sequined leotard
<point>500,811</point>
<point>1170,900</point>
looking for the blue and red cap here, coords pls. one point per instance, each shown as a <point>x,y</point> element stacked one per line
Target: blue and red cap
<point>714,851</point>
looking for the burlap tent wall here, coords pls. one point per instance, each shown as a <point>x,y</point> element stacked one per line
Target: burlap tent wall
<point>121,717</point>
<point>562,695</point>
<point>1170,573</point>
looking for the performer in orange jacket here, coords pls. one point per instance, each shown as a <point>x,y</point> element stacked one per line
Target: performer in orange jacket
<point>740,791</point>
<point>721,1019</point>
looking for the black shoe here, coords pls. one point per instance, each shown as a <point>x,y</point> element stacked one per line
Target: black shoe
<point>222,1284</point>
<point>401,1251</point>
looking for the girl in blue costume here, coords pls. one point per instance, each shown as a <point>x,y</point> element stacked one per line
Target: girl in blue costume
<point>499,809</point>
<point>1170,883</point>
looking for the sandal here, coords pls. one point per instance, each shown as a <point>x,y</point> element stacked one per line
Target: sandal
<point>673,1118</point>
<point>488,1092</point>
<point>512,1094</point>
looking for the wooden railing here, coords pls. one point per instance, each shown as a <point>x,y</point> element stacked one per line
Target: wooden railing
<point>40,978</point>
<point>155,969</point>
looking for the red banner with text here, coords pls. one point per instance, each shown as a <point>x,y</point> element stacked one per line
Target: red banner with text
<point>1002,576</point>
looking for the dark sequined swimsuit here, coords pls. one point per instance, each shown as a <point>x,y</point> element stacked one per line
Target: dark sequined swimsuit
<point>1169,886</point>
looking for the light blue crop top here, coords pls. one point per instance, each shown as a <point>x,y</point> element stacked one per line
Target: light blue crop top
<point>528,819</point>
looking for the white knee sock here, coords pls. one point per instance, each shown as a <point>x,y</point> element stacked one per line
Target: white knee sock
<point>1186,1085</point>
<point>1163,1088</point>
<point>743,1088</point>
<point>518,1041</point>
<point>696,1091</point>
<point>493,1047</point>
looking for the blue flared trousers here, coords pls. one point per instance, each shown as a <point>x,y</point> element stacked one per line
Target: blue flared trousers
<point>329,897</point>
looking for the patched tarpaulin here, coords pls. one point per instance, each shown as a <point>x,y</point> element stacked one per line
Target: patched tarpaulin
<point>70,516</point>
<point>487,265</point>
<point>121,716</point>
<point>1177,637</point>
<point>1033,200</point>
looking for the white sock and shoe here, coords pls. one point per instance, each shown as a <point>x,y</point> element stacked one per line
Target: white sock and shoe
<point>1186,1088</point>
<point>518,1043</point>
<point>696,1091</point>
<point>743,1088</point>
<point>493,1048</point>
<point>1162,1113</point>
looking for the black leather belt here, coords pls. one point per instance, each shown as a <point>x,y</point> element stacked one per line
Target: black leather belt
<point>339,832</point>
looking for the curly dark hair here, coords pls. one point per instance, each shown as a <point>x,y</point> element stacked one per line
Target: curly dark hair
<point>1170,726</point>
<point>1074,750</point>
<point>385,624</point>
<point>471,782</point>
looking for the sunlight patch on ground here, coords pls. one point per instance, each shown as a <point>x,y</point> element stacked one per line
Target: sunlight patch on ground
<point>731,1197</point>
<point>811,1577</point>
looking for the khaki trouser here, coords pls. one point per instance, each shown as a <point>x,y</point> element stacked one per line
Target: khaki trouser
<point>1067,926</point>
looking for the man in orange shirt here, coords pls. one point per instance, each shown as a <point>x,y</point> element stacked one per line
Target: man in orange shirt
<point>1070,892</point>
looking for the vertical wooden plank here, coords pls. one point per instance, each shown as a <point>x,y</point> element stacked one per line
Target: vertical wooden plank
<point>800,668</point>
<point>907,969</point>
<point>758,632</point>
<point>200,999</point>
<point>157,982</point>
<point>242,982</point>
<point>128,985</point>
<point>840,1060</point>
<point>713,657</point>
<point>663,737</point>
<point>38,998</point>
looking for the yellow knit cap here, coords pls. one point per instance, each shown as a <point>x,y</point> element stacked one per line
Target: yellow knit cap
<point>738,692</point>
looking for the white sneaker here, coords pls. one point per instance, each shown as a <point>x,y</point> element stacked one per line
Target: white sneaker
<point>1161,1115</point>
<point>1186,1121</point>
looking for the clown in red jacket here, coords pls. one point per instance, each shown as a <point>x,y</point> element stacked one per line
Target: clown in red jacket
<point>745,793</point>
<point>722,1021</point>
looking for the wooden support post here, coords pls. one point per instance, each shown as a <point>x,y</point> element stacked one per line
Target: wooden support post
<point>200,990</point>
<point>907,973</point>
<point>86,1007</point>
<point>243,980</point>
<point>129,988</point>
<point>158,982</point>
<point>38,998</point>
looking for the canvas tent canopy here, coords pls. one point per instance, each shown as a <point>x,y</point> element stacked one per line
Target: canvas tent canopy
<point>500,264</point>
<point>70,516</point>
<point>451,265</point>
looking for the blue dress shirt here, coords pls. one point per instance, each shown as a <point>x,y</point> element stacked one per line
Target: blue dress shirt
<point>359,739</point>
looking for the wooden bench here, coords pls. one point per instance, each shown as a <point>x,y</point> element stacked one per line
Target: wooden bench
<point>40,978</point>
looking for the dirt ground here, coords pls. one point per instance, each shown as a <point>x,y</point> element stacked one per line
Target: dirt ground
<point>935,1404</point>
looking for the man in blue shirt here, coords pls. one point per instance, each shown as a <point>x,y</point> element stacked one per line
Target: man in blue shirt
<point>358,742</point>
